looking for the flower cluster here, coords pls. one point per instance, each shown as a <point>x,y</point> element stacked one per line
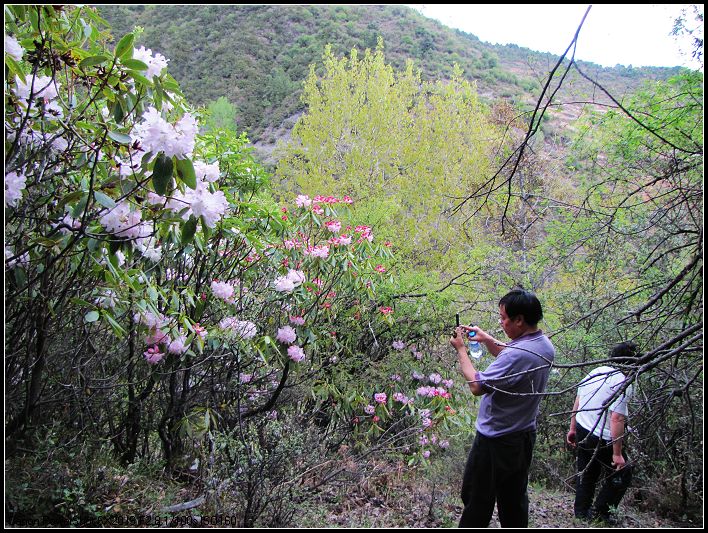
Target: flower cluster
<point>156,64</point>
<point>156,135</point>
<point>242,329</point>
<point>13,48</point>
<point>223,290</point>
<point>296,353</point>
<point>14,185</point>
<point>289,282</point>
<point>286,335</point>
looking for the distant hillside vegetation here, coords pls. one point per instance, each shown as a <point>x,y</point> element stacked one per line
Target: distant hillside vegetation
<point>258,56</point>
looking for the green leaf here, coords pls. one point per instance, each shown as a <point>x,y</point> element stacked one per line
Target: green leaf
<point>162,174</point>
<point>104,199</point>
<point>91,316</point>
<point>139,77</point>
<point>124,48</point>
<point>152,293</point>
<point>15,68</point>
<point>118,114</point>
<point>188,230</point>
<point>117,328</point>
<point>134,64</point>
<point>120,138</point>
<point>80,302</point>
<point>92,61</point>
<point>185,171</point>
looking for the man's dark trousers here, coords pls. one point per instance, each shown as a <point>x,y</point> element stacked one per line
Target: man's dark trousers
<point>594,460</point>
<point>497,470</point>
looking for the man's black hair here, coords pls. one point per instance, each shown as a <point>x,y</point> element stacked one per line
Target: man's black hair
<point>522,302</point>
<point>624,350</point>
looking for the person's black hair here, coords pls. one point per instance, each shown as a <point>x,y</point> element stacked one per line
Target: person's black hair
<point>522,302</point>
<point>624,350</point>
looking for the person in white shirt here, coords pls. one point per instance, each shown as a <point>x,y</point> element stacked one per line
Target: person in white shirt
<point>597,429</point>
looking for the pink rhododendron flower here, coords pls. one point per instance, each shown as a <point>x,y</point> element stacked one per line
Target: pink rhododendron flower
<point>426,454</point>
<point>178,346</point>
<point>297,320</point>
<point>200,331</point>
<point>400,397</point>
<point>202,203</point>
<point>317,209</point>
<point>369,409</point>
<point>380,397</point>
<point>303,201</point>
<point>386,310</point>
<point>153,355</point>
<point>435,378</point>
<point>333,225</point>
<point>157,336</point>
<point>399,345</point>
<point>286,335</point>
<point>347,200</point>
<point>296,354</point>
<point>321,251</point>
<point>244,329</point>
<point>380,268</point>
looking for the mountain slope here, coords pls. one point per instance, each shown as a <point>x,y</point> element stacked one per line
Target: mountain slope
<point>257,56</point>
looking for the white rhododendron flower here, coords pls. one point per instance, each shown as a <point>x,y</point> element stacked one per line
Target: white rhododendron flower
<point>206,172</point>
<point>37,86</point>
<point>157,135</point>
<point>14,185</point>
<point>13,48</point>
<point>222,290</point>
<point>155,64</point>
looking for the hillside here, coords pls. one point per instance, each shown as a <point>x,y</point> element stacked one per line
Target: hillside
<point>258,56</point>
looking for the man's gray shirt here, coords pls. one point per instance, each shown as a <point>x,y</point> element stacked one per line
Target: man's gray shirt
<point>519,369</point>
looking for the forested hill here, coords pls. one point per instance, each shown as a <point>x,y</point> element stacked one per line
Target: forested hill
<point>258,56</point>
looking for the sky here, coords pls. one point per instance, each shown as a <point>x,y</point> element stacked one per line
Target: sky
<point>637,35</point>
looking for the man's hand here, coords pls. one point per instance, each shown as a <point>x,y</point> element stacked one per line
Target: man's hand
<point>570,439</point>
<point>618,461</point>
<point>458,340</point>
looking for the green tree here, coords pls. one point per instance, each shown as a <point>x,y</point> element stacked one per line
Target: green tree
<point>221,115</point>
<point>403,147</point>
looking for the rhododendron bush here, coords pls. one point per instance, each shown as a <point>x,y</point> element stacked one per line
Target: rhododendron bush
<point>156,294</point>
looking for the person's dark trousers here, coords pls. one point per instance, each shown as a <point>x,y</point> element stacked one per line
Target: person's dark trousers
<point>497,470</point>
<point>595,463</point>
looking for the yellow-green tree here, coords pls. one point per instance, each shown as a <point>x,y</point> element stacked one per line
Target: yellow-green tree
<point>405,149</point>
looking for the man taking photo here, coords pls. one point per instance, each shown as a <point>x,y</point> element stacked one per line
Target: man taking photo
<point>511,389</point>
